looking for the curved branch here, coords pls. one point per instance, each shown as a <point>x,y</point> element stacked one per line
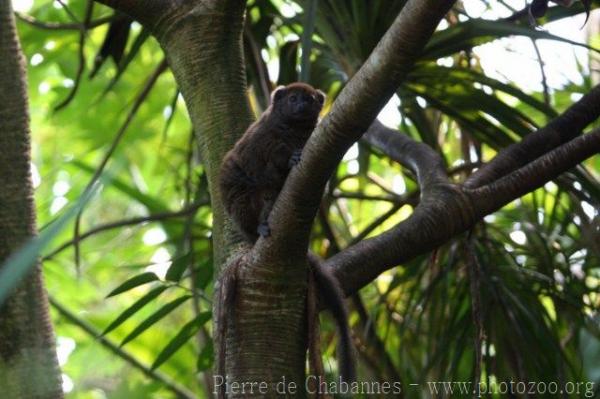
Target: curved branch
<point>425,163</point>
<point>158,15</point>
<point>449,210</point>
<point>352,113</point>
<point>89,9</point>
<point>560,130</point>
<point>139,100</point>
<point>147,12</point>
<point>442,214</point>
<point>157,217</point>
<point>28,19</point>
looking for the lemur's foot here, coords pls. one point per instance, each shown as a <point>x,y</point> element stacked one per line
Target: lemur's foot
<point>295,158</point>
<point>263,229</point>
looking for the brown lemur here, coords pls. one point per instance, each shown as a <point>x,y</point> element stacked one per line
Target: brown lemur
<point>252,175</point>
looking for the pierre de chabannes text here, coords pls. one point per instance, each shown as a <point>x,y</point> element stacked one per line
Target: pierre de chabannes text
<point>316,384</point>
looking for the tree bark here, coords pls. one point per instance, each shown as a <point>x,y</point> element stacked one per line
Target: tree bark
<point>28,364</point>
<point>203,45</point>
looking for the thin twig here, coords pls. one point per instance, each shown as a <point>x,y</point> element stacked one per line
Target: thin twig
<point>474,271</point>
<point>543,72</point>
<point>464,167</point>
<point>362,196</point>
<point>157,217</point>
<point>410,199</point>
<point>28,19</point>
<point>70,13</point>
<point>263,72</point>
<point>82,35</point>
<point>136,105</point>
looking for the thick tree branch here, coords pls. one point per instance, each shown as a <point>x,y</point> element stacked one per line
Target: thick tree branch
<point>448,210</point>
<point>352,113</point>
<point>442,214</point>
<point>199,37</point>
<point>560,130</point>
<point>146,12</point>
<point>425,163</point>
<point>157,14</point>
<point>535,174</point>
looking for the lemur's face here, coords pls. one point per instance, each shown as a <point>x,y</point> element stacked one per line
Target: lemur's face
<point>298,101</point>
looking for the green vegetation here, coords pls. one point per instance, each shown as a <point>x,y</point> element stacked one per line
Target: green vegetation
<point>131,276</point>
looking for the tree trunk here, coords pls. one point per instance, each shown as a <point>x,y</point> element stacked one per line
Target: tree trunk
<point>205,53</point>
<point>28,364</point>
<point>204,50</point>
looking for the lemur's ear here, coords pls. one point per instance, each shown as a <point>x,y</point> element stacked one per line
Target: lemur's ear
<point>321,97</point>
<point>278,94</point>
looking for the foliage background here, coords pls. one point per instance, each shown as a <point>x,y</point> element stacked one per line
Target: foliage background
<point>538,257</point>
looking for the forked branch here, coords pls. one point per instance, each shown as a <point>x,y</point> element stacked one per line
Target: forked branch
<point>352,113</point>
<point>447,210</point>
<point>421,159</point>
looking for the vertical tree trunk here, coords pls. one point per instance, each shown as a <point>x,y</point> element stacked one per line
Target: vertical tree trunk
<point>204,49</point>
<point>28,364</point>
<point>266,333</point>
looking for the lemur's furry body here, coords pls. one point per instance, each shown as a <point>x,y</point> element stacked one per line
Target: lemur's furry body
<point>254,171</point>
<point>252,175</point>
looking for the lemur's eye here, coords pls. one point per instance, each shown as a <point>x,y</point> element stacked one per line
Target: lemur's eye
<point>293,98</point>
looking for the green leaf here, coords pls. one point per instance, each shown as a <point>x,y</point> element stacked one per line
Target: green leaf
<point>154,205</point>
<point>206,357</point>
<point>133,282</point>
<point>178,267</point>
<point>173,106</point>
<point>437,74</point>
<point>288,55</point>
<point>130,311</point>
<point>476,32</point>
<point>184,335</point>
<point>204,272</point>
<point>154,317</point>
<point>307,44</point>
<point>135,48</point>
